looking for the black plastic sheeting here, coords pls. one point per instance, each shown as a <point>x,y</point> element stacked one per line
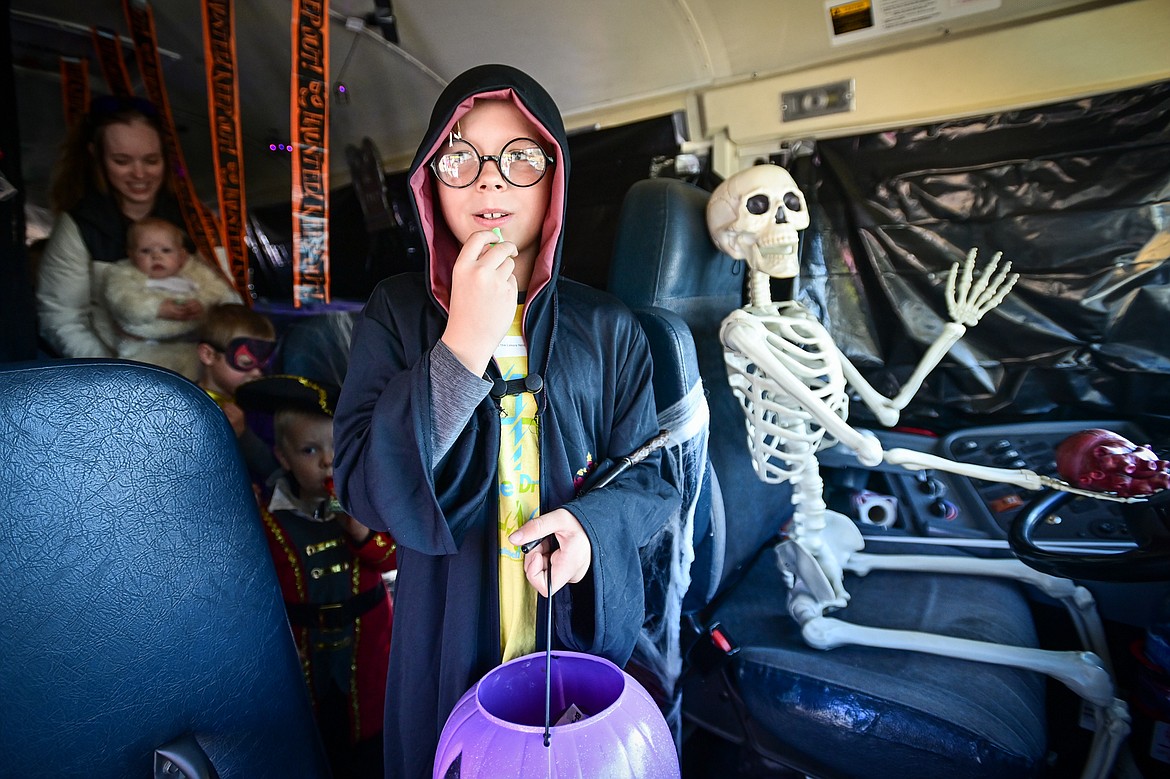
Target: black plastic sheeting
<point>1076,195</point>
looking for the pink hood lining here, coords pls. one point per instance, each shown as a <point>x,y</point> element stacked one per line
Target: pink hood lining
<point>439,240</point>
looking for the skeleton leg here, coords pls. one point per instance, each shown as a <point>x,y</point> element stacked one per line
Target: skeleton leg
<point>1082,672</point>
<point>1077,600</point>
<point>1111,726</point>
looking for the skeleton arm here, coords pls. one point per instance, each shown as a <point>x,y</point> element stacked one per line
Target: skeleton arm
<point>966,303</point>
<point>746,334</point>
<point>1024,478</point>
<point>888,410</point>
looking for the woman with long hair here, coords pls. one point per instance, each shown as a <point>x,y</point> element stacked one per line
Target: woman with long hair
<point>112,172</point>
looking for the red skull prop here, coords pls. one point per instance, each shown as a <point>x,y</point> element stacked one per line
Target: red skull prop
<point>756,215</point>
<point>1103,461</point>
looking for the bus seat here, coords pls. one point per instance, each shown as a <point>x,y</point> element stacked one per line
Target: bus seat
<point>668,558</point>
<point>143,627</point>
<point>852,711</point>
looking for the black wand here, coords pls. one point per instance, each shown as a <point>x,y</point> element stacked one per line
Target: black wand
<point>603,476</point>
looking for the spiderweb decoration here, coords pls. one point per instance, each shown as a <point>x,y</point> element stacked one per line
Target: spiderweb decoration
<point>667,558</point>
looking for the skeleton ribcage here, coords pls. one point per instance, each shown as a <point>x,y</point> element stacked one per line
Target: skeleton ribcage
<point>764,354</point>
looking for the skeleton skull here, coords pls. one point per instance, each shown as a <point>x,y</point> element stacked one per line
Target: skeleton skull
<point>756,215</point>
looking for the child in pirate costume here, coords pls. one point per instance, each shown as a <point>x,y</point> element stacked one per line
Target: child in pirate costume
<point>480,393</point>
<point>330,568</point>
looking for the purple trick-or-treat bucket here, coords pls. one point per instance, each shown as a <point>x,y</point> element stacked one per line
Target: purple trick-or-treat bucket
<point>497,728</point>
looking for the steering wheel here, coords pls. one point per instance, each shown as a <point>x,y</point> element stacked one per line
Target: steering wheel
<point>1148,522</point>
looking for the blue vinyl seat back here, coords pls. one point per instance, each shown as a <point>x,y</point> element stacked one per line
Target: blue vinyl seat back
<point>138,598</point>
<point>848,712</point>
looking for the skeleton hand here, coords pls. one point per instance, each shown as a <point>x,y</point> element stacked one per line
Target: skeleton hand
<point>970,302</point>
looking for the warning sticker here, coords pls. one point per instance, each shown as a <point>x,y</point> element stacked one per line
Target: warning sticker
<point>864,19</point>
<point>848,17</point>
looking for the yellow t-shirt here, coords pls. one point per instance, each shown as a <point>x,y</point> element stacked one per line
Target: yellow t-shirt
<point>519,479</point>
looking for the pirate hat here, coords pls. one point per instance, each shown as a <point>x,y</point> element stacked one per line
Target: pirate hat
<point>288,391</point>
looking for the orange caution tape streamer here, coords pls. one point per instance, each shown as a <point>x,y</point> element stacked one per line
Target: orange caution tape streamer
<point>108,45</point>
<point>310,141</point>
<point>200,223</point>
<point>74,89</point>
<point>223,96</point>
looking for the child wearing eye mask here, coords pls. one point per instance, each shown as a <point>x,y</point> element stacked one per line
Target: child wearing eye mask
<point>235,346</point>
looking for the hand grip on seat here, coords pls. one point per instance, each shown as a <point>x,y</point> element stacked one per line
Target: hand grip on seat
<point>183,758</point>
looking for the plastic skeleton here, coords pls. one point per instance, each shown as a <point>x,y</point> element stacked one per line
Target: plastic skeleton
<point>792,383</point>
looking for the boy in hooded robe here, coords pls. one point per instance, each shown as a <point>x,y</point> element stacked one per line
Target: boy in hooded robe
<point>479,394</point>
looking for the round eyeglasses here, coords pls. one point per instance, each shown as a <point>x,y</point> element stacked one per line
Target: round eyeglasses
<point>522,163</point>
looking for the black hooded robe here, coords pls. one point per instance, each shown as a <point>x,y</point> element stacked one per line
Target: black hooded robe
<point>597,403</point>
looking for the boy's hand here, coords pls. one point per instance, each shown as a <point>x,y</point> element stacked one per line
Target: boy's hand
<point>354,529</point>
<point>570,562</point>
<point>483,299</point>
